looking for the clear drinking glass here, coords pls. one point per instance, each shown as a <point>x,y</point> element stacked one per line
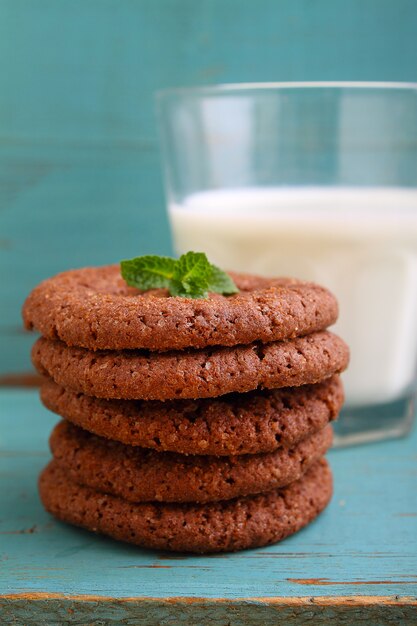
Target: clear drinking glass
<point>316,181</point>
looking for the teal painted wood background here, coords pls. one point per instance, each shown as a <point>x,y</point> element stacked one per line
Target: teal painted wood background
<point>80,178</point>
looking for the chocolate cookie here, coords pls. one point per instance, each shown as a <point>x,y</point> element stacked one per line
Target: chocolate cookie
<point>258,421</point>
<point>194,373</point>
<point>231,525</point>
<point>140,475</point>
<point>94,308</point>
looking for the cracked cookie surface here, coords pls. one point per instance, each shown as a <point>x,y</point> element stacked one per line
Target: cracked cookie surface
<point>94,308</point>
<point>229,525</point>
<point>140,475</point>
<point>258,421</point>
<point>206,373</point>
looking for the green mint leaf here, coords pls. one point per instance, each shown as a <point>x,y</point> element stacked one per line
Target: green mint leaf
<point>220,282</point>
<point>148,272</point>
<point>191,276</point>
<point>198,291</point>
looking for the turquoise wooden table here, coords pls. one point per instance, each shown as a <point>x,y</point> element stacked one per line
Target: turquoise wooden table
<point>80,184</point>
<point>357,563</point>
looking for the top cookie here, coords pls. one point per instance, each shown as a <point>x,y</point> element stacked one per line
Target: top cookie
<point>94,308</point>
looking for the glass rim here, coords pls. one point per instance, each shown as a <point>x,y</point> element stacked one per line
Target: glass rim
<point>228,88</point>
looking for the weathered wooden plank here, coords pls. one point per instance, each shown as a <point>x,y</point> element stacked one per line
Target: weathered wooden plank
<point>358,561</point>
<point>87,207</point>
<point>217,612</point>
<point>24,379</point>
<point>77,70</point>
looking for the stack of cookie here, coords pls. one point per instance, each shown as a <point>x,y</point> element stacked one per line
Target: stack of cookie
<point>191,425</point>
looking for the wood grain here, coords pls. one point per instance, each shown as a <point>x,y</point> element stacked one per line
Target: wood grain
<point>80,177</point>
<point>191,611</point>
<point>23,379</point>
<point>358,562</point>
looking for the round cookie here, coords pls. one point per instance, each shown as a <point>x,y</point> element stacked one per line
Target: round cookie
<point>140,475</point>
<point>94,308</point>
<point>195,373</point>
<point>246,522</point>
<point>258,421</point>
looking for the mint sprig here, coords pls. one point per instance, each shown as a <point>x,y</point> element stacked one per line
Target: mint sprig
<point>190,276</point>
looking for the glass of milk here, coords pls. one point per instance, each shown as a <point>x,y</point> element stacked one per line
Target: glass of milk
<point>316,181</point>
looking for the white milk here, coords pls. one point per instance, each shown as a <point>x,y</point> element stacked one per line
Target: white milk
<point>361,243</point>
